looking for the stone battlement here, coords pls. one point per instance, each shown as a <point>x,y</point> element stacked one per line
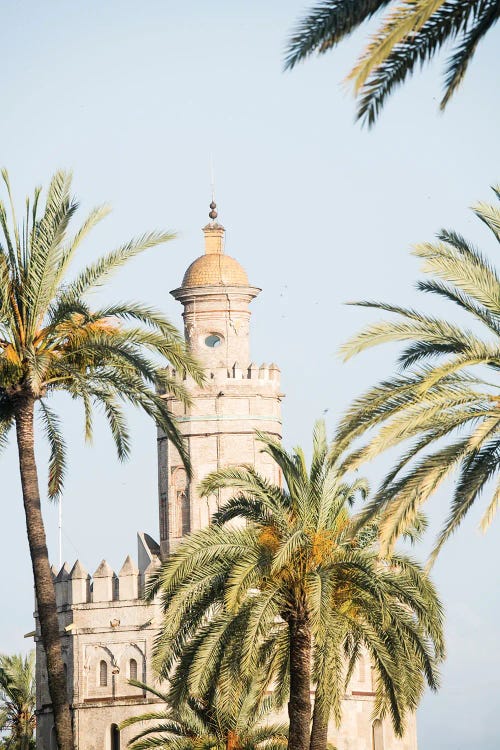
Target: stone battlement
<point>76,586</point>
<point>252,375</point>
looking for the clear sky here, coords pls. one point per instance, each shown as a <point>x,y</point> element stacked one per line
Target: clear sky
<point>133,97</point>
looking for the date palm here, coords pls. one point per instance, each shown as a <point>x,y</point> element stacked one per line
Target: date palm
<point>412,32</point>
<point>236,719</point>
<point>446,397</point>
<point>294,589</point>
<point>17,700</point>
<point>51,341</point>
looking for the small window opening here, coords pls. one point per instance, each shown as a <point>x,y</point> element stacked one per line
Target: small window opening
<point>213,340</point>
<point>133,669</point>
<point>103,674</point>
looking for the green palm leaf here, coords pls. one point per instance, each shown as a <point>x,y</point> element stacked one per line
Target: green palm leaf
<point>449,391</point>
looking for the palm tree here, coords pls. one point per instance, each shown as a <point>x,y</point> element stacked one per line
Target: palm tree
<point>52,341</point>
<point>291,589</point>
<point>17,700</point>
<point>410,34</point>
<point>446,397</point>
<point>232,721</point>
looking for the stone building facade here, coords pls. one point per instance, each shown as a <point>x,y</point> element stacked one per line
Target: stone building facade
<point>108,631</point>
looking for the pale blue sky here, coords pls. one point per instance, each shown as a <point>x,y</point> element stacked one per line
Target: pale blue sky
<point>133,97</point>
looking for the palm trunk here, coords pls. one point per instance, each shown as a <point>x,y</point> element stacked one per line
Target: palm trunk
<point>319,731</point>
<point>44,586</point>
<point>299,705</point>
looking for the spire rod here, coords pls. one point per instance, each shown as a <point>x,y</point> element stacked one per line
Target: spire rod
<point>212,176</point>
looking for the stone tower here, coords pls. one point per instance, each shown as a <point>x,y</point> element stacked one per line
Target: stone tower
<point>107,629</point>
<point>238,397</point>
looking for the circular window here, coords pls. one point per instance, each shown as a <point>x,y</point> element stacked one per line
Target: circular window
<point>213,340</point>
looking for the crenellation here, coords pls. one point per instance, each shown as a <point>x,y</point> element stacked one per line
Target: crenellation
<point>61,586</point>
<point>128,576</point>
<point>274,372</point>
<point>252,378</point>
<point>78,585</point>
<point>236,371</point>
<point>103,588</point>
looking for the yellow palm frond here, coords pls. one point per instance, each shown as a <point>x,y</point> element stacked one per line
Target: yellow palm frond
<point>401,23</point>
<point>490,511</point>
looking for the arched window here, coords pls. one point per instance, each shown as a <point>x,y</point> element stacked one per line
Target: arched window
<point>103,674</point>
<point>115,737</point>
<point>185,513</point>
<point>133,669</point>
<point>180,520</point>
<point>377,735</point>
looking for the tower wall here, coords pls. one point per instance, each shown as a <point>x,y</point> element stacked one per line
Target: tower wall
<point>219,430</point>
<point>107,633</point>
<point>207,311</point>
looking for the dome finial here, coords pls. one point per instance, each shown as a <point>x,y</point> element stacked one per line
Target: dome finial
<point>213,205</point>
<point>213,212</point>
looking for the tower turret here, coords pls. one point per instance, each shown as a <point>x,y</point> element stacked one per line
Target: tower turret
<point>215,293</point>
<point>238,397</point>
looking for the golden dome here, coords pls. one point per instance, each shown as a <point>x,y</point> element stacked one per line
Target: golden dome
<point>215,269</point>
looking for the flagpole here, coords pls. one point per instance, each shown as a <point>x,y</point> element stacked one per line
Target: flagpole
<point>60,532</point>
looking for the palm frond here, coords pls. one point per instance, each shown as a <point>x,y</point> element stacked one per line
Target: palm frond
<point>57,460</point>
<point>490,215</point>
<point>97,273</point>
<point>477,469</point>
<point>326,25</point>
<point>445,23</point>
<point>491,510</point>
<point>459,62</point>
<point>404,20</point>
<point>463,300</point>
